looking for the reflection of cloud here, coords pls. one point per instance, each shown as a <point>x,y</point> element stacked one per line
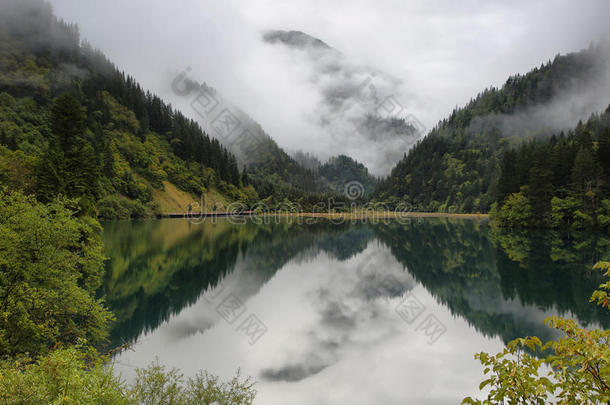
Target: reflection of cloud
<point>182,330</point>
<point>338,315</point>
<point>291,373</point>
<point>353,307</point>
<point>374,283</point>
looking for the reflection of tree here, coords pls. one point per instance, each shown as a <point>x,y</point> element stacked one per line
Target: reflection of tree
<point>156,268</point>
<point>493,279</point>
<point>556,271</point>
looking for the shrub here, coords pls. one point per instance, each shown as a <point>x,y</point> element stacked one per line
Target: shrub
<point>579,365</point>
<point>48,257</point>
<point>112,207</point>
<point>117,207</point>
<point>79,375</point>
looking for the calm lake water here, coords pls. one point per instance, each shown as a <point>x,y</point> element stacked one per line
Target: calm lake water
<point>341,313</point>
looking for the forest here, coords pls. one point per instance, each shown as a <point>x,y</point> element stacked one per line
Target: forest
<point>72,124</point>
<point>562,182</point>
<point>457,166</point>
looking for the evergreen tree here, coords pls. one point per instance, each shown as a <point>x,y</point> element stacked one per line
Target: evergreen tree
<point>540,191</point>
<point>509,182</point>
<point>69,167</point>
<point>244,177</point>
<point>603,157</point>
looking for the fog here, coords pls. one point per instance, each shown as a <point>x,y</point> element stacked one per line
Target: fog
<point>579,98</point>
<point>430,56</point>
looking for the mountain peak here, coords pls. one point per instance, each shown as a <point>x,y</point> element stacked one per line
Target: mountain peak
<point>294,39</point>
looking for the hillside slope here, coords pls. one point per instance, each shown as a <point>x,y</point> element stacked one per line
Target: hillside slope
<point>72,124</point>
<point>456,166</point>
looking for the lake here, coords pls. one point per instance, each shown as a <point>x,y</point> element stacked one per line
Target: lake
<point>341,313</point>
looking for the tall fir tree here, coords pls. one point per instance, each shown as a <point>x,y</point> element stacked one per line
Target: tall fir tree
<point>70,166</point>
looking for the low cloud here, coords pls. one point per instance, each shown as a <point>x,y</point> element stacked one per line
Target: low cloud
<point>576,100</point>
<point>433,55</point>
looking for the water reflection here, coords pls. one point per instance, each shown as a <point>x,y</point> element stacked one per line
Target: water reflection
<point>327,296</point>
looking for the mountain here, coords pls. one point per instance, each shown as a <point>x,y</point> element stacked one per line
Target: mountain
<point>342,171</point>
<point>275,174</point>
<point>456,167</point>
<point>294,39</point>
<point>360,111</point>
<point>73,125</point>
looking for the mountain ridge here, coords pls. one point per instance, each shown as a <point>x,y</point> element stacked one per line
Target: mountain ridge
<point>455,168</point>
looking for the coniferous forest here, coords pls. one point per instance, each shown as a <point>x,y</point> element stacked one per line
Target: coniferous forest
<point>561,182</point>
<point>74,125</point>
<point>460,166</point>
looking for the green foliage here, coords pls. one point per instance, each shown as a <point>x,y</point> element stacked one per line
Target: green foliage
<point>576,371</point>
<point>74,125</point>
<point>113,207</point>
<point>513,376</point>
<point>340,170</point>
<point>157,385</point>
<point>516,211</point>
<point>78,375</point>
<point>51,264</point>
<point>48,258</point>
<point>69,166</point>
<point>562,211</point>
<point>17,170</point>
<point>75,375</point>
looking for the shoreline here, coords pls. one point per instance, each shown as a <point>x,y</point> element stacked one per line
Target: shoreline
<point>344,215</point>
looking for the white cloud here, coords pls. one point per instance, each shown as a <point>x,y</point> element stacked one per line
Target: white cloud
<point>443,52</point>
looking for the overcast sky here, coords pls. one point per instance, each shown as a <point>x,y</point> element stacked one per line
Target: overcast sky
<point>444,52</point>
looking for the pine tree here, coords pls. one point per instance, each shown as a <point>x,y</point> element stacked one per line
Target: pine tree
<point>603,157</point>
<point>540,190</point>
<point>3,137</point>
<point>69,167</point>
<point>509,181</point>
<point>244,177</point>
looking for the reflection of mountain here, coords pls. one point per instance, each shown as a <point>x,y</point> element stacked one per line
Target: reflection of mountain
<point>157,268</point>
<point>468,267</point>
<point>503,284</point>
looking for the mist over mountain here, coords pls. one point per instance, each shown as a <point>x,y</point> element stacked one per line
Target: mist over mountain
<point>456,167</point>
<point>363,111</point>
<point>578,86</point>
